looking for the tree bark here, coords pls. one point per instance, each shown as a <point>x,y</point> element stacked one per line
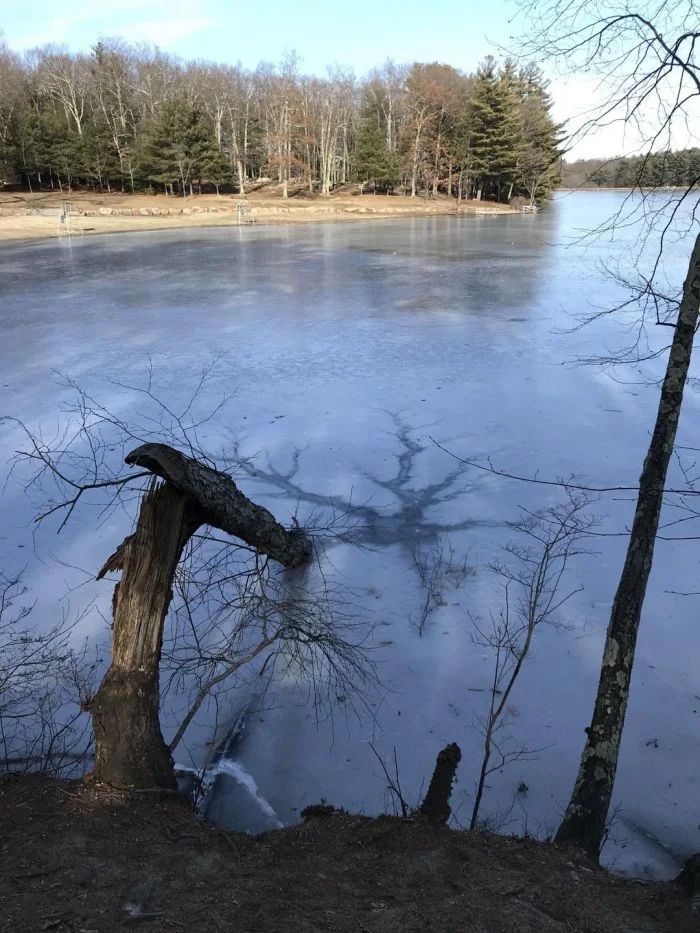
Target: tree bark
<point>223,505</point>
<point>586,815</point>
<point>130,749</point>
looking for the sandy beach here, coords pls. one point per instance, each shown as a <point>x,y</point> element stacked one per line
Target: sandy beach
<point>25,216</point>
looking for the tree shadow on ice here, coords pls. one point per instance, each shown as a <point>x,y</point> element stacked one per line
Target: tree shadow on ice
<point>410,524</point>
<point>232,796</point>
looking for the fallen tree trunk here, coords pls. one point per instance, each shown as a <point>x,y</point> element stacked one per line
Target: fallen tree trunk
<point>223,505</point>
<point>130,749</point>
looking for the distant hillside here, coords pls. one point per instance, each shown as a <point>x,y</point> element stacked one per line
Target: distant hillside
<point>672,169</point>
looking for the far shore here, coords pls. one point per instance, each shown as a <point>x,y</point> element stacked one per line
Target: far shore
<point>47,214</point>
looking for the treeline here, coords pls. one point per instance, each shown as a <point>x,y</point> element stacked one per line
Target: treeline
<point>661,169</point>
<point>133,118</point>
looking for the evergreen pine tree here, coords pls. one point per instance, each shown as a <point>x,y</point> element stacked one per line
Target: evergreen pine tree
<point>100,160</point>
<point>179,147</point>
<point>212,165</point>
<point>538,170</point>
<point>49,151</point>
<point>493,130</point>
<point>375,165</point>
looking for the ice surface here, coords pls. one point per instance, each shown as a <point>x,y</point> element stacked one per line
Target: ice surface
<point>357,344</point>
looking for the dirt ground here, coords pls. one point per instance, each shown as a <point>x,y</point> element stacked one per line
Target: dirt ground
<point>75,859</point>
<point>31,216</point>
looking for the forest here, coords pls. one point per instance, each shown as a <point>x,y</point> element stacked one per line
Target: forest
<point>132,118</point>
<point>679,169</point>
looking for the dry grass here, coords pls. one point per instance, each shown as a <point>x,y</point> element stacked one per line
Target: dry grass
<point>206,210</point>
<point>71,858</point>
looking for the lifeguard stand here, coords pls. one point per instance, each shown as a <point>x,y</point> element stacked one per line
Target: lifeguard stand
<point>244,213</point>
<point>64,223</point>
<point>66,218</point>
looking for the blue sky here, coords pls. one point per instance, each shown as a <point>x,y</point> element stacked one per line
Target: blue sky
<point>359,34</point>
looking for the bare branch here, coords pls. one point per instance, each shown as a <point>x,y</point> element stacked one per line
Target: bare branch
<point>537,577</point>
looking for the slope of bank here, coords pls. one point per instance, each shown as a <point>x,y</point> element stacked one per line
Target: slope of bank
<point>54,214</point>
<point>75,859</point>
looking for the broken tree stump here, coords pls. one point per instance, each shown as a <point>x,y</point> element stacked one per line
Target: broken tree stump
<point>129,747</point>
<point>689,878</point>
<point>436,804</point>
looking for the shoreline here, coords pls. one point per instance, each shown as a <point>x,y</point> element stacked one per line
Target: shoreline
<point>89,854</point>
<point>47,215</point>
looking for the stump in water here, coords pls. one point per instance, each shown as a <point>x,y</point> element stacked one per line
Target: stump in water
<point>690,879</point>
<point>130,749</point>
<point>436,805</point>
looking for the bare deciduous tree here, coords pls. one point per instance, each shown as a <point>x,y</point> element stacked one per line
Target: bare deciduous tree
<point>646,61</point>
<point>584,821</point>
<point>553,537</point>
<point>44,682</point>
<point>438,569</point>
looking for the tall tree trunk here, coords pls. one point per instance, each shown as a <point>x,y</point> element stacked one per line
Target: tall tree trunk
<point>414,165</point>
<point>130,749</point>
<point>346,156</point>
<point>585,817</point>
<point>436,168</point>
<point>416,153</point>
<point>244,172</point>
<point>389,126</point>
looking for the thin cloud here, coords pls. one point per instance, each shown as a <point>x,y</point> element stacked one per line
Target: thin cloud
<point>160,31</point>
<point>79,24</point>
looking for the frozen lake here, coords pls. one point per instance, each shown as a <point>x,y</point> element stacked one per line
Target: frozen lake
<point>355,344</point>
